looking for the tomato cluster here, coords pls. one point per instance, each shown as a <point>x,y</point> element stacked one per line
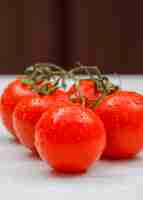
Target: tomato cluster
<point>71,129</point>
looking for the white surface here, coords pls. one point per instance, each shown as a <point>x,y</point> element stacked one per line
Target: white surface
<point>24,177</point>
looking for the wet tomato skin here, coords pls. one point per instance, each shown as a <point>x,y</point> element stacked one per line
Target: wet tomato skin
<point>0,106</point>
<point>87,88</point>
<point>14,92</point>
<point>122,115</point>
<point>29,110</point>
<point>70,138</point>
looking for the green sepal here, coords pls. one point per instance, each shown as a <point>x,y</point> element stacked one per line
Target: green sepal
<point>27,81</point>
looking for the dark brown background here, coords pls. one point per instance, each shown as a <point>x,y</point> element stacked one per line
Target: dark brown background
<point>106,33</point>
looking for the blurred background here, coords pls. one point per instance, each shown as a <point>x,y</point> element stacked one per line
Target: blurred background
<point>105,33</point>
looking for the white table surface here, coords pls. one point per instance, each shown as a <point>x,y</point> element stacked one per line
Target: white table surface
<point>24,177</point>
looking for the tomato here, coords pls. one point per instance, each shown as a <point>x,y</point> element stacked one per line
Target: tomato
<point>122,115</point>
<point>0,106</point>
<point>29,110</point>
<point>14,92</point>
<point>88,89</point>
<point>70,138</point>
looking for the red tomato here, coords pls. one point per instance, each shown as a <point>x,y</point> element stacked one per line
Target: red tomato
<point>29,110</point>
<point>122,115</point>
<point>70,138</point>
<point>58,96</point>
<point>0,106</point>
<point>88,89</point>
<point>15,91</point>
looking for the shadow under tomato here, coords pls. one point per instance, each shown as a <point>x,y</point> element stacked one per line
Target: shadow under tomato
<point>15,141</point>
<point>32,155</point>
<point>134,159</point>
<point>54,173</point>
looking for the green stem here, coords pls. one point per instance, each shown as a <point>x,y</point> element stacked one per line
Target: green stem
<point>102,83</point>
<point>44,72</point>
